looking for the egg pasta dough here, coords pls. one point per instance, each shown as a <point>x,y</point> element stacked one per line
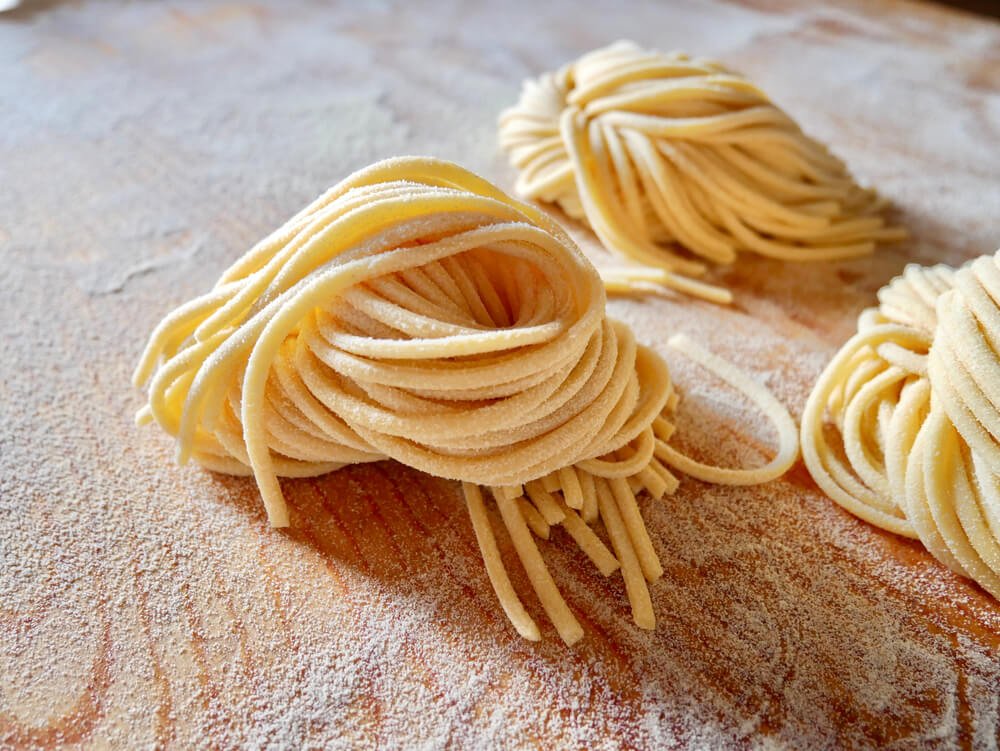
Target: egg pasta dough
<point>903,426</point>
<point>676,161</point>
<point>416,312</point>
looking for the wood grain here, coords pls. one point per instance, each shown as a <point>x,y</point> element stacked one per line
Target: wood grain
<point>143,146</point>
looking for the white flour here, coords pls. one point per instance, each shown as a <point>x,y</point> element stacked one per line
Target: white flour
<point>143,148</point>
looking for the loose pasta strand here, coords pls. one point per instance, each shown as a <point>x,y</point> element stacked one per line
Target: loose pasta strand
<point>508,598</point>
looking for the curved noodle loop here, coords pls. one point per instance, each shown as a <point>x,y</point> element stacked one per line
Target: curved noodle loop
<point>416,312</point>
<point>654,150</point>
<point>915,398</point>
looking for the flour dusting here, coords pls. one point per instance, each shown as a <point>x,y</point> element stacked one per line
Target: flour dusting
<point>145,146</point>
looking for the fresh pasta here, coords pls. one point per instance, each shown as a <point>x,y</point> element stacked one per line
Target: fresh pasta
<point>416,312</point>
<point>672,159</point>
<point>914,398</point>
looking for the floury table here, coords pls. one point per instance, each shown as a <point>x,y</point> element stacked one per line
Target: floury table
<point>144,146</point>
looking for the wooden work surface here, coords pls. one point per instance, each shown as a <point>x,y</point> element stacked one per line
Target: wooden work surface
<point>143,146</point>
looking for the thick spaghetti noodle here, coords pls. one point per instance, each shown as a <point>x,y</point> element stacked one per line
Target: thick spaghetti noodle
<point>657,151</point>
<point>915,400</point>
<point>416,312</point>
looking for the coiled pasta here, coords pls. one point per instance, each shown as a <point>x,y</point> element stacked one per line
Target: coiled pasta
<point>671,159</point>
<point>416,312</point>
<point>915,399</point>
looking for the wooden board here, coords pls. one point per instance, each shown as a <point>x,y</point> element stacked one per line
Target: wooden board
<point>144,146</point>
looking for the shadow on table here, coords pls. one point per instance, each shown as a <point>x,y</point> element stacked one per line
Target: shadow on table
<point>769,623</point>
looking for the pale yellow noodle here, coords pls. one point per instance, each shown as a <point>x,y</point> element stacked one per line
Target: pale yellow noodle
<point>914,403</point>
<point>416,312</point>
<point>670,159</point>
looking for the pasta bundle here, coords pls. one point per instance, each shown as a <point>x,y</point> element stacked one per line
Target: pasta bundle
<point>416,312</point>
<point>657,150</point>
<point>915,399</point>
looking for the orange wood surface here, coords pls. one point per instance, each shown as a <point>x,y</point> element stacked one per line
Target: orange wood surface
<point>143,146</point>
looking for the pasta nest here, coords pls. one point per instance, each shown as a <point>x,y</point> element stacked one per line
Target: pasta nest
<point>416,312</point>
<point>412,312</point>
<point>656,151</point>
<point>914,399</point>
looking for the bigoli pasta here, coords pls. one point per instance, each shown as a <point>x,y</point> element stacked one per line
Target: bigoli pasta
<point>674,161</point>
<point>913,401</point>
<point>416,312</point>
